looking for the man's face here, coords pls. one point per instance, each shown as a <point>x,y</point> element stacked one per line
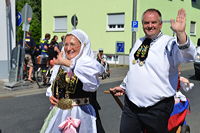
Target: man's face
<point>151,24</point>
<point>101,52</point>
<point>48,37</point>
<point>72,46</point>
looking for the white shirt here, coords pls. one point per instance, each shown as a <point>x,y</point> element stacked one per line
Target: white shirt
<point>158,77</point>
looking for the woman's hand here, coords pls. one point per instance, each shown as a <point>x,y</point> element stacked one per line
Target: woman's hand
<point>61,61</point>
<point>53,100</point>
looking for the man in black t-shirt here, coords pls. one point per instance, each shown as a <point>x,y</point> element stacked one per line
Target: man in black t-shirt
<point>29,50</point>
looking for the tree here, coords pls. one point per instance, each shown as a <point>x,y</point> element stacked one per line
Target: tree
<point>35,24</point>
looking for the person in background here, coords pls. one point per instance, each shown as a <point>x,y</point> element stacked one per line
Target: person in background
<point>198,46</point>
<point>101,58</point>
<point>43,57</point>
<point>183,84</point>
<point>29,46</point>
<point>53,48</point>
<point>73,82</point>
<point>44,44</point>
<point>61,44</point>
<point>151,82</point>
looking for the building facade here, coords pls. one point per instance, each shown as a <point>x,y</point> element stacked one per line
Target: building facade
<point>7,35</point>
<point>109,23</point>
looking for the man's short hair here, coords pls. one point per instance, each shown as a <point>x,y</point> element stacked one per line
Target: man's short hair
<point>152,10</point>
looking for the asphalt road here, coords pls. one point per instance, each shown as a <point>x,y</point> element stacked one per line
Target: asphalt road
<point>25,114</point>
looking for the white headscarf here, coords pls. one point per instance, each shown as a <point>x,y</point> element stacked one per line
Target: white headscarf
<point>85,67</point>
<point>85,45</point>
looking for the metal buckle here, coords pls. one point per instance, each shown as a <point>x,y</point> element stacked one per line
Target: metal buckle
<point>65,103</point>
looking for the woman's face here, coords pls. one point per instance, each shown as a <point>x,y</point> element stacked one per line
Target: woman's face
<point>56,38</point>
<point>72,46</point>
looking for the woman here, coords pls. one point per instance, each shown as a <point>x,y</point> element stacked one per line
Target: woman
<point>73,81</point>
<point>53,49</point>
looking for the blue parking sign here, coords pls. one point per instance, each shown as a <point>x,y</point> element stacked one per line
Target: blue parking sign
<point>120,47</point>
<point>134,24</point>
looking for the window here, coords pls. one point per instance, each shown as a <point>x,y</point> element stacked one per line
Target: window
<point>60,24</point>
<point>115,22</point>
<point>192,28</point>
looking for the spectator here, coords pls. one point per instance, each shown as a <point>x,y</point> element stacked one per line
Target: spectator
<point>61,44</point>
<point>101,58</point>
<point>44,52</point>
<point>198,46</point>
<point>53,48</point>
<point>44,45</point>
<point>29,46</point>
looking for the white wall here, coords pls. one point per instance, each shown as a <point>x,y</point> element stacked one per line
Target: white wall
<point>7,34</point>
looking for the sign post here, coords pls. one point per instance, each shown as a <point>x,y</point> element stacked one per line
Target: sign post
<point>74,21</point>
<point>26,18</point>
<point>18,53</point>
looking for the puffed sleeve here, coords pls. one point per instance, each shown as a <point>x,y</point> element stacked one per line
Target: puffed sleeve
<point>88,70</point>
<point>181,53</point>
<point>53,76</point>
<point>49,92</point>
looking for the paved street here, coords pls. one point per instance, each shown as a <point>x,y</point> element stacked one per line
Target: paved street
<point>24,110</point>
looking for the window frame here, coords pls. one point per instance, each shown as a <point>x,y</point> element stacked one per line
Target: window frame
<point>192,28</point>
<point>118,26</point>
<point>58,22</point>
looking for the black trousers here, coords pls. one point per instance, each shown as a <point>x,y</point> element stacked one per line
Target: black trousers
<point>153,119</point>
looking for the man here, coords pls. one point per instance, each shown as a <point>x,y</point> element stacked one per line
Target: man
<point>44,51</point>
<point>45,44</point>
<point>29,50</point>
<point>151,81</point>
<point>101,58</point>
